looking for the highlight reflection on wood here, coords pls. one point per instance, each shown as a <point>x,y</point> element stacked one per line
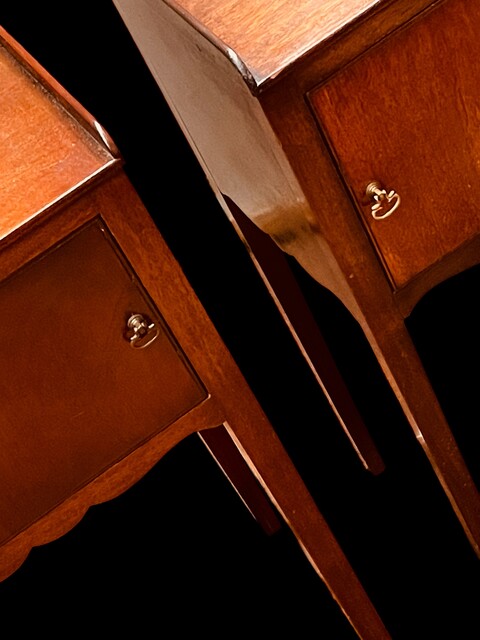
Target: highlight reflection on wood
<point>293,109</point>
<point>85,413</point>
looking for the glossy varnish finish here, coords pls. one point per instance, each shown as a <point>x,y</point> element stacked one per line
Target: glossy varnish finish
<point>267,36</point>
<point>238,151</point>
<point>408,139</point>
<point>27,182</point>
<point>98,414</point>
<point>111,399</point>
<point>266,150</point>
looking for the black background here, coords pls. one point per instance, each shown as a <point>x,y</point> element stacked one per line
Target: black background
<point>178,554</point>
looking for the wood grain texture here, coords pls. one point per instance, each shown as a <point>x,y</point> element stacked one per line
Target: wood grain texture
<point>73,305</point>
<point>264,39</point>
<point>230,402</point>
<point>76,371</point>
<point>269,36</point>
<point>264,185</point>
<point>37,135</point>
<point>115,480</point>
<point>266,152</point>
<point>385,121</point>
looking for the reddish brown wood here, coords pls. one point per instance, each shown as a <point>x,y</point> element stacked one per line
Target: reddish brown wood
<point>262,146</point>
<point>90,396</point>
<point>74,146</point>
<point>264,38</point>
<point>272,264</point>
<point>100,414</point>
<point>224,451</point>
<point>275,197</point>
<point>410,150</point>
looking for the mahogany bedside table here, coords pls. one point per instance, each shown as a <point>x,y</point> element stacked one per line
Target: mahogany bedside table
<point>302,115</point>
<point>111,358</point>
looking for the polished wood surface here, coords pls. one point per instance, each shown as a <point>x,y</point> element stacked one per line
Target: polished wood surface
<point>410,150</point>
<point>34,269</point>
<point>265,38</point>
<point>272,264</point>
<point>262,147</point>
<point>113,399</point>
<point>263,189</point>
<point>93,426</point>
<point>40,136</point>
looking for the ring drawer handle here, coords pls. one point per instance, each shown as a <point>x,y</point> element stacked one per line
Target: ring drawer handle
<point>140,333</point>
<point>381,201</point>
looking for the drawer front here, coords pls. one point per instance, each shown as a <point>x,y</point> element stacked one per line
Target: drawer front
<point>407,116</point>
<point>77,393</point>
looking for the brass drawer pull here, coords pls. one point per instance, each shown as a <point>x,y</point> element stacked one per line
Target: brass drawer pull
<point>382,199</point>
<point>140,333</point>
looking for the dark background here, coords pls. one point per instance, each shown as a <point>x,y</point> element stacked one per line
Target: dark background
<point>178,554</point>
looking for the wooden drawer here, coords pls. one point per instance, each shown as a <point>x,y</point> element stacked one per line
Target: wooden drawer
<point>406,114</point>
<point>76,394</point>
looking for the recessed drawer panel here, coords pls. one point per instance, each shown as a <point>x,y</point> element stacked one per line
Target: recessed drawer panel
<point>80,388</point>
<point>407,116</point>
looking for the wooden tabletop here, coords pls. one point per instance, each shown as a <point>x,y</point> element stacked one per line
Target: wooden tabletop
<point>268,36</point>
<point>46,148</point>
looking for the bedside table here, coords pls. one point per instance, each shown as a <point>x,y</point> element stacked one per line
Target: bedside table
<point>111,358</point>
<point>348,133</point>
